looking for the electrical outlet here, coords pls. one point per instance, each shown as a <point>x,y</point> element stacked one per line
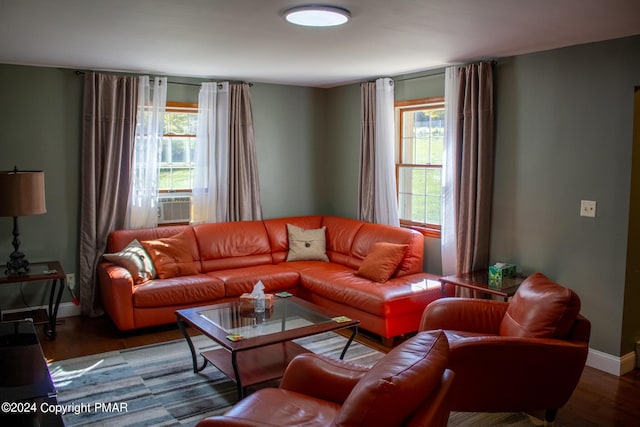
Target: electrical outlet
<point>71,286</point>
<point>588,208</point>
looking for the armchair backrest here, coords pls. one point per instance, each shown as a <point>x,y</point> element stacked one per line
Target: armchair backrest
<point>399,383</point>
<point>541,309</point>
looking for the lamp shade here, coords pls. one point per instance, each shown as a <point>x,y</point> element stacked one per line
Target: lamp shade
<point>22,193</point>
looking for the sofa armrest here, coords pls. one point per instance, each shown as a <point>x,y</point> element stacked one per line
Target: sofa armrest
<point>513,363</point>
<point>464,314</point>
<point>116,289</point>
<point>322,377</point>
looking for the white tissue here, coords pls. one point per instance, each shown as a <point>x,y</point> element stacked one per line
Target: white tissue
<point>258,290</point>
<point>258,297</point>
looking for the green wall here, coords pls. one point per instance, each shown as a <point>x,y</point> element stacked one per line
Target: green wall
<point>40,127</point>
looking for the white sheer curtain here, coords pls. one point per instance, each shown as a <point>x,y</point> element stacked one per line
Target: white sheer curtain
<point>143,193</point>
<point>211,181</point>
<point>448,232</point>
<point>386,201</point>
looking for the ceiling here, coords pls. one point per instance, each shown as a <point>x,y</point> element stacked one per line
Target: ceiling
<point>249,40</point>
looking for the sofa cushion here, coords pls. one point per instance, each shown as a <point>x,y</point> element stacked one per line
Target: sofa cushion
<point>540,309</point>
<point>237,244</point>
<point>396,297</point>
<point>341,233</point>
<point>396,385</point>
<point>185,290</point>
<point>307,244</point>
<point>171,256</point>
<point>369,234</point>
<point>275,278</point>
<point>119,239</point>
<point>135,259</point>
<point>382,261</point>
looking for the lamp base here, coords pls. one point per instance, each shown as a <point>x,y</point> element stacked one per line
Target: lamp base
<point>18,264</point>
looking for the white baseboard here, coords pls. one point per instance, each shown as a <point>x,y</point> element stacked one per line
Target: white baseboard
<point>66,309</point>
<point>611,364</point>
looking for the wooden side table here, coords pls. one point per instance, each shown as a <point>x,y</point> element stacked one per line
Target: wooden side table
<point>40,271</point>
<point>478,282</point>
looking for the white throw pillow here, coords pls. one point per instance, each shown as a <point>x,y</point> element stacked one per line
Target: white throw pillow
<point>135,259</point>
<point>307,244</point>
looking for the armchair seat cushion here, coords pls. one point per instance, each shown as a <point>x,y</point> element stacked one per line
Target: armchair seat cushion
<point>282,408</point>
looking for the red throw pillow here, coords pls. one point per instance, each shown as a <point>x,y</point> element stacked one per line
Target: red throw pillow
<point>382,261</point>
<point>171,256</point>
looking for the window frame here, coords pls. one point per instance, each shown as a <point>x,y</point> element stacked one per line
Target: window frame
<point>427,229</point>
<point>177,107</point>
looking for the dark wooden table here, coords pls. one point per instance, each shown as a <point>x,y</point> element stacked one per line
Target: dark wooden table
<point>27,392</point>
<point>264,345</point>
<point>478,282</point>
<point>40,272</point>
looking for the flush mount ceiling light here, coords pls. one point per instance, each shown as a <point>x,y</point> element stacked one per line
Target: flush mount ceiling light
<point>317,16</point>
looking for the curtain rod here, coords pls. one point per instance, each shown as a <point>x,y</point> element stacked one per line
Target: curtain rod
<point>82,73</point>
<point>439,73</point>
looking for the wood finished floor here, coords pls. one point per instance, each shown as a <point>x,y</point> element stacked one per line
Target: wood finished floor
<point>600,399</point>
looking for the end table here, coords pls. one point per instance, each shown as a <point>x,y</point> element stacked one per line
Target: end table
<point>40,271</point>
<point>478,282</point>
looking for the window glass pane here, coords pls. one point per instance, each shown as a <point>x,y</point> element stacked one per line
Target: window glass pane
<point>180,123</point>
<point>165,178</point>
<point>181,177</point>
<point>165,150</point>
<point>419,194</point>
<point>178,150</point>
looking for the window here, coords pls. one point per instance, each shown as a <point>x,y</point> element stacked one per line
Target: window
<point>420,149</point>
<point>178,147</point>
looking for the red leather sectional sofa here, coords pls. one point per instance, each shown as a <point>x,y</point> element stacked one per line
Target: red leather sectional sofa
<point>231,257</point>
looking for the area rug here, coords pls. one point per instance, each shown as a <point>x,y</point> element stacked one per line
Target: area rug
<point>155,386</point>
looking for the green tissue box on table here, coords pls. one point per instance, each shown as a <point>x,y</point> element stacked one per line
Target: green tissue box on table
<point>500,271</point>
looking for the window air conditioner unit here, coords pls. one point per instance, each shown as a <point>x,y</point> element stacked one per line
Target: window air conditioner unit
<point>172,208</point>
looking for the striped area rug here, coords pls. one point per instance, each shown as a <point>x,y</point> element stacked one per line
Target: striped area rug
<point>155,386</point>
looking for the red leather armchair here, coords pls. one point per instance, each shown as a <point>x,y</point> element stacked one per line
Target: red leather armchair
<point>524,355</point>
<point>409,386</point>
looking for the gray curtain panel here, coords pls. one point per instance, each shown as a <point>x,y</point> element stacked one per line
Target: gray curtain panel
<point>474,157</point>
<point>108,133</point>
<point>244,183</point>
<point>366,183</point>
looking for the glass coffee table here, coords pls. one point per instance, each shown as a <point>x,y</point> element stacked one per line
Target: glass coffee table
<point>257,347</point>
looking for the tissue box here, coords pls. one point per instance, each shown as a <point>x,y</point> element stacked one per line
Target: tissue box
<point>246,301</point>
<point>500,271</point>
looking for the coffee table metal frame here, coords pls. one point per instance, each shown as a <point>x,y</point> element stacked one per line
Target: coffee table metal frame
<point>255,360</point>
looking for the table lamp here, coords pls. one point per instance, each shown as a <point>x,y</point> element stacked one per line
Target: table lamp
<point>21,194</point>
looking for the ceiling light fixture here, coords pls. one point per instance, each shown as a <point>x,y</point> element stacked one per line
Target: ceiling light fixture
<point>317,16</point>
